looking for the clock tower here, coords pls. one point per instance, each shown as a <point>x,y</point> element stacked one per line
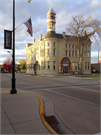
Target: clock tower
<point>51,20</point>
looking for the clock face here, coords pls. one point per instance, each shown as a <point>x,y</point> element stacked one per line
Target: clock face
<point>52,17</point>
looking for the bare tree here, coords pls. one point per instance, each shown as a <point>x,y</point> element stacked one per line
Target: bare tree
<point>83,30</point>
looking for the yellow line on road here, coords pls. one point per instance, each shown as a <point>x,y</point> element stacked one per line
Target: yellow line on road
<point>41,111</point>
<point>87,89</point>
<point>6,90</point>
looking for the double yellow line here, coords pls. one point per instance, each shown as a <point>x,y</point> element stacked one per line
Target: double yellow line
<point>42,114</point>
<point>87,89</point>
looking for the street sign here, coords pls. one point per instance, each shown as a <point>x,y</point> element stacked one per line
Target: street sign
<point>7,39</point>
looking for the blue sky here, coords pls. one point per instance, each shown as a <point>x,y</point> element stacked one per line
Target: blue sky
<point>38,9</point>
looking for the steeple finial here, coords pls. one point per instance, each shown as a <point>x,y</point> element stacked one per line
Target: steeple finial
<point>51,3</point>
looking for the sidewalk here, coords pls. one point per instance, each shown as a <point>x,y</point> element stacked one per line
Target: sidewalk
<point>20,114</point>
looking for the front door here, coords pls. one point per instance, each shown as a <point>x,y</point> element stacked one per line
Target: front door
<point>65,69</point>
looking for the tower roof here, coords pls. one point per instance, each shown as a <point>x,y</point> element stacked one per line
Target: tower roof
<point>51,11</point>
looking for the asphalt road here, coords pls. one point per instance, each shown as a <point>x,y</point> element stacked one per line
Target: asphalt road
<point>76,100</point>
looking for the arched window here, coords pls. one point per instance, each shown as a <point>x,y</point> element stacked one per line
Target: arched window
<point>65,61</point>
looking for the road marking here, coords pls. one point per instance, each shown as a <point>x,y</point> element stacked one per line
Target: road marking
<point>41,111</point>
<point>71,97</point>
<point>87,89</point>
<point>6,90</point>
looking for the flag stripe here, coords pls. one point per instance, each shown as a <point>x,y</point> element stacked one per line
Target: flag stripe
<point>29,26</point>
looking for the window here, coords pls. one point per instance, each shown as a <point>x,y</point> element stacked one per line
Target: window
<point>48,64</point>
<point>85,54</point>
<point>66,46</point>
<point>75,47</point>
<point>75,53</point>
<point>28,56</point>
<point>72,46</point>
<point>54,44</point>
<point>72,53</point>
<point>42,65</point>
<point>50,25</point>
<point>30,66</point>
<point>43,53</point>
<point>54,64</point>
<point>32,58</point>
<point>73,65</point>
<point>69,46</point>
<point>69,53</point>
<point>78,65</point>
<point>48,44</point>
<point>88,47</point>
<point>48,52</point>
<point>66,53</point>
<point>54,52</point>
<point>65,61</point>
<point>85,65</point>
<point>88,65</point>
<point>88,54</point>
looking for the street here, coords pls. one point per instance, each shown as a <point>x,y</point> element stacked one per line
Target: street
<point>76,100</point>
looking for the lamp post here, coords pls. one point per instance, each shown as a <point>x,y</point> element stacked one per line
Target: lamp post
<point>13,90</point>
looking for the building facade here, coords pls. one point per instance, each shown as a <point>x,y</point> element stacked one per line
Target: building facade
<point>56,53</point>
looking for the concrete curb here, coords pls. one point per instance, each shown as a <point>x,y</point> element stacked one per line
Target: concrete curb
<point>42,114</point>
<point>47,110</point>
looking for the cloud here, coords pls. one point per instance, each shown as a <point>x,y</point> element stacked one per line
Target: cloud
<point>38,11</point>
<point>94,59</point>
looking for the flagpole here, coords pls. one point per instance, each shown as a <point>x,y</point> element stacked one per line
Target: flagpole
<point>22,22</point>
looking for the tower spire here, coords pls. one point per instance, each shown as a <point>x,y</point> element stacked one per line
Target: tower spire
<point>51,19</point>
<point>51,3</point>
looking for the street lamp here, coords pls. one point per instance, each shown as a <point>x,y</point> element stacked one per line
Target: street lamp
<point>14,91</point>
<point>10,53</point>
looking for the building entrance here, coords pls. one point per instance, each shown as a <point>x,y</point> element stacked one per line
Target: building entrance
<point>65,69</point>
<point>65,65</point>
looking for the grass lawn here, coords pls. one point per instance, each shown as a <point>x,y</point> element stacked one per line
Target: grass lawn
<point>88,76</point>
<point>62,75</point>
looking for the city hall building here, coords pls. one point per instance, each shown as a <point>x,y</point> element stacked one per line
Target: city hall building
<point>56,53</point>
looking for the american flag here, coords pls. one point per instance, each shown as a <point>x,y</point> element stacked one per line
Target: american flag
<point>29,26</point>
